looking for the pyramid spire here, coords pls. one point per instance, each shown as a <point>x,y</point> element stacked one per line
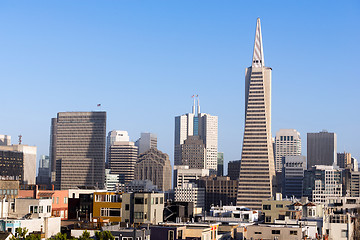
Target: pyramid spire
<point>258,55</point>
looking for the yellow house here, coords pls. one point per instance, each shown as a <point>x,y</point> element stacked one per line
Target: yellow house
<point>107,205</point>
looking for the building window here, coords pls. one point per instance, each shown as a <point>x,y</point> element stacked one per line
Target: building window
<point>41,209</point>
<point>127,207</point>
<point>138,215</point>
<point>279,206</point>
<point>267,219</point>
<point>293,232</point>
<point>344,233</point>
<point>258,233</point>
<point>266,207</point>
<point>48,208</point>
<point>65,200</point>
<point>57,200</point>
<point>275,231</point>
<point>161,200</point>
<point>139,200</point>
<point>110,212</point>
<point>171,235</point>
<point>35,209</point>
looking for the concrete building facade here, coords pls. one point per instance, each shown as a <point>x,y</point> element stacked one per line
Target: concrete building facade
<point>344,160</point>
<point>287,143</point>
<point>197,124</point>
<point>322,182</point>
<point>190,192</point>
<point>193,153</point>
<point>234,169</point>
<point>154,165</point>
<point>77,149</point>
<point>122,157</point>
<point>293,176</point>
<point>143,207</point>
<point>146,141</point>
<point>183,174</point>
<point>257,171</point>
<point>19,158</point>
<point>219,191</point>
<point>321,149</point>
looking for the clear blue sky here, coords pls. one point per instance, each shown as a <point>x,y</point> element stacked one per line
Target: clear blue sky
<point>143,60</point>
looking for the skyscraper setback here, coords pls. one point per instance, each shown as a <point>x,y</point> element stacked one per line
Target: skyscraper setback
<point>257,172</point>
<point>197,124</point>
<point>77,149</point>
<point>287,143</point>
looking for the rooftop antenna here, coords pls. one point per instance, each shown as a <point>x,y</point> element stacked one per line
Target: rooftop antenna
<point>198,104</point>
<point>193,108</point>
<point>20,136</point>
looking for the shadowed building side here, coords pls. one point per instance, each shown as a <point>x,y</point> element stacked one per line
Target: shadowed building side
<point>77,149</point>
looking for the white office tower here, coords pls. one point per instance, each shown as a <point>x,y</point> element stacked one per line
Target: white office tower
<point>197,124</point>
<point>190,192</point>
<point>115,136</point>
<point>111,180</point>
<point>287,143</point>
<point>257,171</point>
<point>183,174</point>
<point>122,155</point>
<point>146,141</point>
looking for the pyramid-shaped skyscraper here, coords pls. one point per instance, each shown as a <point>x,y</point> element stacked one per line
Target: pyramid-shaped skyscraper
<point>257,172</point>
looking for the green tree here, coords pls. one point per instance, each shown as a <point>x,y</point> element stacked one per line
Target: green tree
<point>105,235</point>
<point>60,236</point>
<point>21,234</point>
<point>85,236</point>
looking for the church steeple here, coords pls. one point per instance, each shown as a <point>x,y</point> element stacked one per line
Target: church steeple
<point>258,55</point>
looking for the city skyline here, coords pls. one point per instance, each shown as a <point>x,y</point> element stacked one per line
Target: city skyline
<point>92,60</point>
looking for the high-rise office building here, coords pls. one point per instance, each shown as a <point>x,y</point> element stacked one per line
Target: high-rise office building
<point>115,136</point>
<point>322,182</point>
<point>321,149</point>
<point>77,149</point>
<point>344,160</point>
<point>146,141</point>
<point>257,171</point>
<point>122,156</point>
<point>218,191</point>
<point>193,152</point>
<point>44,172</point>
<point>154,165</point>
<point>287,143</point>
<point>234,169</point>
<point>183,174</point>
<point>220,164</point>
<point>19,160</point>
<point>293,176</point>
<point>197,124</point>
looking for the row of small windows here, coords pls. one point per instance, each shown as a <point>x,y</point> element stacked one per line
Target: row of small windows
<point>8,191</point>
<point>286,138</point>
<point>255,193</point>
